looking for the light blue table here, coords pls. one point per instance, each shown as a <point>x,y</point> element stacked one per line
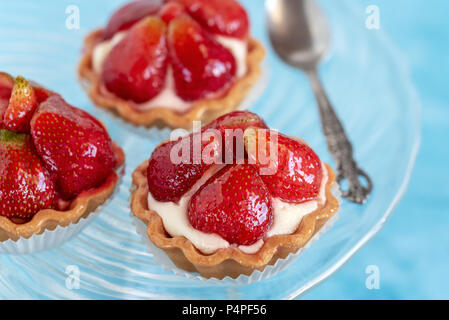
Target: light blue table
<point>412,251</point>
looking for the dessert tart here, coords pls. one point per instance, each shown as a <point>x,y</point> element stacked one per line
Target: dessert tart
<point>57,164</point>
<point>159,63</point>
<point>238,213</point>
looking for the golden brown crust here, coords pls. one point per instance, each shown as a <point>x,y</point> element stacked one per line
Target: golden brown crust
<point>230,262</point>
<point>48,219</point>
<point>204,110</point>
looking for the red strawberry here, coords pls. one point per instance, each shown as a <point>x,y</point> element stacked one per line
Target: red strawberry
<point>6,85</point>
<point>170,178</point>
<point>171,10</point>
<point>129,14</point>
<point>25,184</point>
<point>136,67</point>
<point>42,94</point>
<point>22,104</point>
<point>237,120</point>
<point>296,172</point>
<point>235,204</point>
<point>74,146</point>
<point>201,66</point>
<point>169,181</point>
<point>232,125</point>
<point>227,18</point>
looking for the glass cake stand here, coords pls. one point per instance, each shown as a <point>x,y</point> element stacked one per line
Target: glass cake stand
<point>366,80</point>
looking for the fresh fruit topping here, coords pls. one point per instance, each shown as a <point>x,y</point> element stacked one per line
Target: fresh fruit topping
<point>295,174</point>
<point>175,166</point>
<point>136,67</point>
<point>42,94</point>
<point>237,120</point>
<point>6,85</point>
<point>171,10</point>
<point>201,66</point>
<point>235,204</point>
<point>25,184</point>
<point>74,146</point>
<point>129,14</point>
<point>227,18</point>
<point>169,179</point>
<point>22,104</point>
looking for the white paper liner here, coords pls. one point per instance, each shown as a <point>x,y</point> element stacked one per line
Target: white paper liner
<point>162,134</point>
<point>50,239</point>
<point>161,258</point>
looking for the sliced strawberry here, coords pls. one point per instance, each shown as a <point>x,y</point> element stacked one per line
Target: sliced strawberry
<point>201,66</point>
<point>128,15</point>
<point>25,184</point>
<point>74,146</point>
<point>136,67</point>
<point>222,17</point>
<point>171,10</point>
<point>22,104</point>
<point>6,85</point>
<point>169,178</point>
<point>42,94</point>
<point>235,204</point>
<point>295,175</point>
<point>237,120</point>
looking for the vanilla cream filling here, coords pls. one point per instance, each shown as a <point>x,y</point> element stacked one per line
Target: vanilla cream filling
<point>286,218</point>
<point>168,97</point>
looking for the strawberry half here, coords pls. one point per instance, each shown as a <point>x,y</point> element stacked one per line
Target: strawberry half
<point>235,204</point>
<point>136,67</point>
<point>225,17</point>
<point>6,85</point>
<point>168,178</point>
<point>169,181</point>
<point>237,120</point>
<point>25,184</point>
<point>171,10</point>
<point>297,172</point>
<point>22,104</point>
<point>74,146</point>
<point>201,65</point>
<point>128,15</point>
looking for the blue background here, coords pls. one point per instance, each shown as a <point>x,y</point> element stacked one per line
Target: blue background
<point>412,251</point>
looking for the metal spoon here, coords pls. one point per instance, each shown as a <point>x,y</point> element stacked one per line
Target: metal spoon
<point>300,36</point>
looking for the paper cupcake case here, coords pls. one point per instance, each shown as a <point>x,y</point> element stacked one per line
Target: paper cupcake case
<point>161,258</point>
<point>50,239</point>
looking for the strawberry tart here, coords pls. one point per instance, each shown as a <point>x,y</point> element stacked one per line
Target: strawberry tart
<point>226,218</point>
<point>172,62</point>
<point>57,163</point>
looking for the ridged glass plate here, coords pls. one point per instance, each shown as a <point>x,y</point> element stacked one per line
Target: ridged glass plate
<point>366,81</point>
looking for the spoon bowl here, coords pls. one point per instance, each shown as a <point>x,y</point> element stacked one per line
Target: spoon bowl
<point>297,39</point>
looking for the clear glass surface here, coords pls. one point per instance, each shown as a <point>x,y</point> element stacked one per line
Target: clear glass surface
<point>366,81</point>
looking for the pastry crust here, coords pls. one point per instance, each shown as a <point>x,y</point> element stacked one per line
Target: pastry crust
<point>230,262</point>
<point>204,110</point>
<point>81,207</point>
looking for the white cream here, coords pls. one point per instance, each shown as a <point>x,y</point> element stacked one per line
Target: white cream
<point>286,218</point>
<point>168,97</point>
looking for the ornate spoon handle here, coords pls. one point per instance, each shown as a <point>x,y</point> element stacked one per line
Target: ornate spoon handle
<point>339,146</point>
